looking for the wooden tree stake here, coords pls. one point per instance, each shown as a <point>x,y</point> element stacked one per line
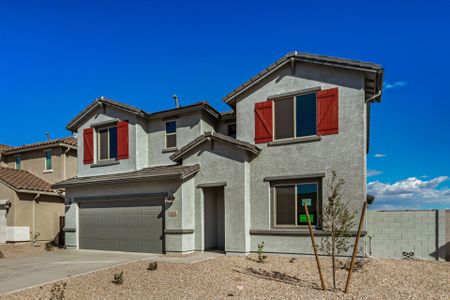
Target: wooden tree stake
<point>314,246</point>
<point>355,248</point>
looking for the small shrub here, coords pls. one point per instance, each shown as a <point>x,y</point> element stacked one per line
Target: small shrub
<point>1,254</point>
<point>58,290</point>
<point>35,239</point>
<point>261,256</point>
<point>359,264</point>
<point>153,266</point>
<point>49,246</point>
<point>118,278</point>
<point>293,259</point>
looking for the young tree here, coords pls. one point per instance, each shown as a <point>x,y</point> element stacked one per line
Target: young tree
<point>337,221</point>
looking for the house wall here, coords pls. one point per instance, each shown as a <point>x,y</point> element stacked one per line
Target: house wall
<point>390,233</point>
<point>188,128</point>
<point>33,161</point>
<point>105,114</point>
<point>222,163</point>
<point>343,152</point>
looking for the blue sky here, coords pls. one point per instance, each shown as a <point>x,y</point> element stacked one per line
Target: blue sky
<point>57,56</point>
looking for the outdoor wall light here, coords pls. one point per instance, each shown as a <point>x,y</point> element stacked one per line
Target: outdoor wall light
<point>170,198</point>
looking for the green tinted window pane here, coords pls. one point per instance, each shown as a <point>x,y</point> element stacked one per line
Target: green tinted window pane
<point>48,160</point>
<point>306,115</point>
<point>307,193</point>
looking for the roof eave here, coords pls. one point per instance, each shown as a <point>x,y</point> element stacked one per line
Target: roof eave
<point>40,148</point>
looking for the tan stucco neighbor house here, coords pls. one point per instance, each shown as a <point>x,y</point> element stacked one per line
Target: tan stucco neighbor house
<point>29,207</point>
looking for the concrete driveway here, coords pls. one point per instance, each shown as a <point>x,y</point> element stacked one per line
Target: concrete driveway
<point>24,272</point>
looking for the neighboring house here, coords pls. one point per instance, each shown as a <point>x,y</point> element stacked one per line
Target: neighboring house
<point>30,206</point>
<point>191,178</point>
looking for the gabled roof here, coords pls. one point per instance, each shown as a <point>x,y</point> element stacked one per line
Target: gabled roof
<point>23,181</point>
<point>73,125</point>
<point>70,142</point>
<point>211,135</point>
<point>147,174</point>
<point>374,72</point>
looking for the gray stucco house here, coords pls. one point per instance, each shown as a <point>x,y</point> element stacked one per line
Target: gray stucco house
<point>191,178</point>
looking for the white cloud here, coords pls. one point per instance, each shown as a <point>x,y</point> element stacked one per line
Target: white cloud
<point>371,173</point>
<point>394,85</point>
<point>411,193</point>
<point>379,155</point>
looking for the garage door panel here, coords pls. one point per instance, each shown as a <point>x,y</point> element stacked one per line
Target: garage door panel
<point>107,225</point>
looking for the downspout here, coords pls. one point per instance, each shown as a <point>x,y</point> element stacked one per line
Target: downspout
<point>373,97</point>
<point>33,211</point>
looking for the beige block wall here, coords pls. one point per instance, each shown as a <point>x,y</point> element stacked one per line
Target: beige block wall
<point>63,164</point>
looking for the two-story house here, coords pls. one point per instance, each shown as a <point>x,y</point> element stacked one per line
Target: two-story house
<point>191,178</point>
<point>29,207</point>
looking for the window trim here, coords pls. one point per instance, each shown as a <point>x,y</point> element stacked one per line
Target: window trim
<point>170,134</point>
<point>295,183</point>
<point>98,143</point>
<point>45,161</point>
<point>293,97</point>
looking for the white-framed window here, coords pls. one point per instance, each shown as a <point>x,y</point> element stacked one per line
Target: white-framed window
<point>48,166</point>
<point>295,117</point>
<point>171,134</point>
<point>18,162</point>
<point>289,200</point>
<point>107,143</point>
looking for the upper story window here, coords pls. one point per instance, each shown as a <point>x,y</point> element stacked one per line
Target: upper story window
<point>48,160</point>
<point>171,134</point>
<point>107,143</point>
<point>18,160</point>
<point>295,116</point>
<point>232,130</point>
<point>289,200</point>
<point>111,142</point>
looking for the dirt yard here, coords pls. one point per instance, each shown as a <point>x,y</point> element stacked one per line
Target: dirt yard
<point>26,249</point>
<point>244,278</point>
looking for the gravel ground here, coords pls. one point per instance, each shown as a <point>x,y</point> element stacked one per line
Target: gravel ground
<point>26,249</point>
<point>243,278</point>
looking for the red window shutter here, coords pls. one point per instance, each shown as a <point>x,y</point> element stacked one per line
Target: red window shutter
<point>88,146</point>
<point>327,111</point>
<point>122,139</point>
<point>263,122</point>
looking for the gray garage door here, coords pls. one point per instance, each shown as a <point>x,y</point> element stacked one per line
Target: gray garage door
<point>110,225</point>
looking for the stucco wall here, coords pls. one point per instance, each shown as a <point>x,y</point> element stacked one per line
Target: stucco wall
<point>390,233</point>
<point>343,152</point>
<point>105,114</point>
<point>188,128</point>
<point>223,163</point>
<point>34,162</point>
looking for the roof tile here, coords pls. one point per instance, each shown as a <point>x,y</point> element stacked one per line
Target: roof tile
<point>23,180</point>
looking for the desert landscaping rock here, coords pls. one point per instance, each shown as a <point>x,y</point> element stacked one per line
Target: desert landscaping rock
<point>26,249</point>
<point>244,278</point>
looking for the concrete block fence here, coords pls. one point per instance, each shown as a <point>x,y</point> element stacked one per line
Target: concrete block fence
<point>421,234</point>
